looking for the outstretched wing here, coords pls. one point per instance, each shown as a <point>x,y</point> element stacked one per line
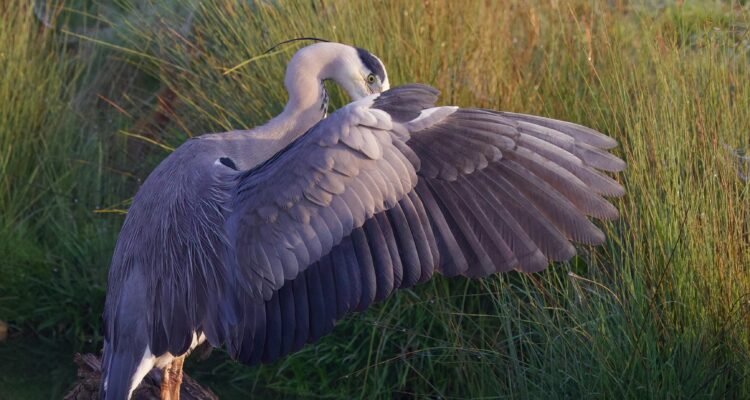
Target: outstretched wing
<point>291,210</point>
<point>389,189</point>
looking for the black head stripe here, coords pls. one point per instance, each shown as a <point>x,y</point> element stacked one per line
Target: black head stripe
<point>372,63</point>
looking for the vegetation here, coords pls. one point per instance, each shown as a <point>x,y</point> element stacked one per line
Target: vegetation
<point>92,101</point>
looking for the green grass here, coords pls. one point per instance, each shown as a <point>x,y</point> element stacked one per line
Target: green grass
<point>56,158</point>
<point>660,311</point>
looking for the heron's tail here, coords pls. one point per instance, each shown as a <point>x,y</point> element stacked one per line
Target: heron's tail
<point>122,372</point>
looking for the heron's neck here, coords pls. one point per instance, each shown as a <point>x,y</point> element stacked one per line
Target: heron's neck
<point>308,100</point>
<point>300,114</point>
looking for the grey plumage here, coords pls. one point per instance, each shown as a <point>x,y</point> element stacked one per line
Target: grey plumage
<point>261,245</point>
<point>487,205</point>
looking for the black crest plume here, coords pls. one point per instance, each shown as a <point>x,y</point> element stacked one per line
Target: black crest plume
<point>294,40</point>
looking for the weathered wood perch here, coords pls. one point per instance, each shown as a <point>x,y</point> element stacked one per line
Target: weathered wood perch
<point>90,374</point>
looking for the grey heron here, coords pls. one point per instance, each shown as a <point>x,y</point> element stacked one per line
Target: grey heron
<point>260,240</point>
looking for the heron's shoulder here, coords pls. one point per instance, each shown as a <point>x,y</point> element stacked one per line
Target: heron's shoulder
<point>181,179</point>
<point>177,193</point>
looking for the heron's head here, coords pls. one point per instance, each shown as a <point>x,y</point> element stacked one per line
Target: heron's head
<point>356,70</point>
<point>364,75</point>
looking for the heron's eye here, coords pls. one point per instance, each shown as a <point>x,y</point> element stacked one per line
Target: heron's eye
<point>371,78</point>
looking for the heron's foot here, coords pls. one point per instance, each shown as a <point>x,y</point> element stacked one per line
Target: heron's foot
<point>172,380</point>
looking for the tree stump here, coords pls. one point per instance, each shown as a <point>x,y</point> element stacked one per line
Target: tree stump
<point>90,375</point>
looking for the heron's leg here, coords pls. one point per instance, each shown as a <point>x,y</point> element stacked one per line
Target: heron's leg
<point>166,380</point>
<point>172,380</point>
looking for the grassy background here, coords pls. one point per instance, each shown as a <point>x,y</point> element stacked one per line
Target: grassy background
<point>92,102</point>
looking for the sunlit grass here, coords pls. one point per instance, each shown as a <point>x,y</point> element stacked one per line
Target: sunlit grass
<point>660,311</point>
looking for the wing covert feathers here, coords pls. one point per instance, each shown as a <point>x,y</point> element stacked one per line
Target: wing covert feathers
<point>289,213</point>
